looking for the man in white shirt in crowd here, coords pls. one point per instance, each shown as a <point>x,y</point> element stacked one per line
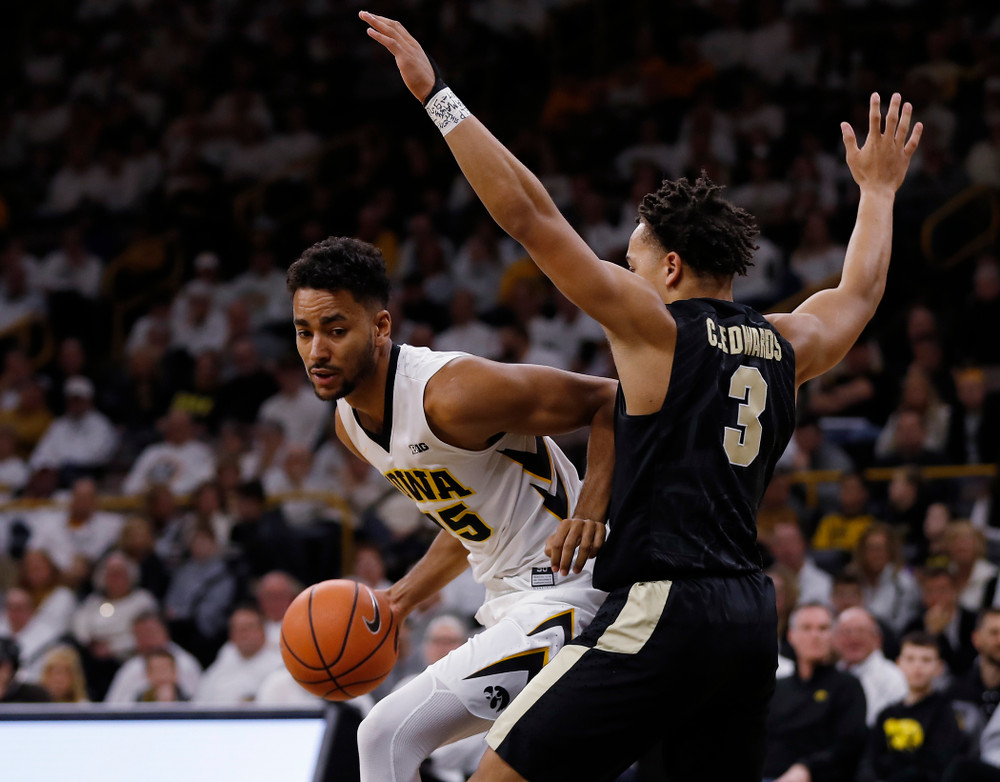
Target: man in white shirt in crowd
<point>13,470</point>
<point>261,288</point>
<point>857,640</point>
<point>150,633</point>
<point>83,439</point>
<point>788,546</point>
<point>197,324</point>
<point>242,664</point>
<point>71,268</point>
<point>78,536</point>
<point>180,461</point>
<point>275,592</point>
<point>467,333</point>
<point>300,412</point>
<point>21,621</point>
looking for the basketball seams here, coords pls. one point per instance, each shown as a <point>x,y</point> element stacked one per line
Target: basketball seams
<point>312,630</point>
<point>299,660</point>
<point>350,624</point>
<point>333,683</point>
<point>385,637</point>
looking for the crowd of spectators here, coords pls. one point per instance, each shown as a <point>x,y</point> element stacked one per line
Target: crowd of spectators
<point>165,487</point>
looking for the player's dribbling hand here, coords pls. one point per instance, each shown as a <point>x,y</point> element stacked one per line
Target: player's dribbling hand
<point>885,156</point>
<point>414,67</point>
<point>582,537</point>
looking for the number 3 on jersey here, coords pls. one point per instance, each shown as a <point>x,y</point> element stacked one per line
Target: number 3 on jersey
<point>742,445</point>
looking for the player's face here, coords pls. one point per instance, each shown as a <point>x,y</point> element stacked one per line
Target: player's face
<point>645,257</point>
<point>336,338</point>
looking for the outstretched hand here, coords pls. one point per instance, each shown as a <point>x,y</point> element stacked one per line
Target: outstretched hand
<point>885,156</point>
<point>414,65</point>
<point>582,537</point>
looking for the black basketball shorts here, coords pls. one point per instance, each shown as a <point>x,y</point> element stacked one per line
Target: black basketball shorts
<point>689,663</point>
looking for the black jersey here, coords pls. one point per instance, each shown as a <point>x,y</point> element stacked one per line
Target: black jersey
<point>689,478</point>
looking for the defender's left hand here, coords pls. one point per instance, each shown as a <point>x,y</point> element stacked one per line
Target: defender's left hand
<point>582,536</point>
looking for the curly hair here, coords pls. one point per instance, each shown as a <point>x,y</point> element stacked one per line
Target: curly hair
<point>340,263</point>
<point>710,234</point>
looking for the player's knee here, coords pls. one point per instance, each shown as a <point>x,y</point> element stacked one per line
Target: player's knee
<point>376,730</point>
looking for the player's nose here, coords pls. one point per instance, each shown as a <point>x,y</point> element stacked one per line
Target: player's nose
<point>319,349</point>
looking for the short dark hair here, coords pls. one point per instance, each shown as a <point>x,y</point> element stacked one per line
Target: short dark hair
<point>711,235</point>
<point>848,576</point>
<point>340,263</point>
<point>984,613</point>
<point>921,638</point>
<point>161,651</point>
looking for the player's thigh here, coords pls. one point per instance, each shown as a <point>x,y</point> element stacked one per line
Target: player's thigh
<point>724,744</point>
<point>488,671</point>
<point>656,660</point>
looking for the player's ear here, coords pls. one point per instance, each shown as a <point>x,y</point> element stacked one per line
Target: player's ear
<point>383,326</point>
<point>672,268</point>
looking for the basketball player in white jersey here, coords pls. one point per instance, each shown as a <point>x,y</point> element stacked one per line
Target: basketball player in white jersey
<point>465,439</point>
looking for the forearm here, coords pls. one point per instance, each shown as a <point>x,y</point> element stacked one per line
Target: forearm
<point>866,263</point>
<point>595,493</point>
<point>513,194</point>
<point>444,561</point>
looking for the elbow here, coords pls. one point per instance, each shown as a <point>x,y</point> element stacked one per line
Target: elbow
<point>524,212</point>
<point>603,400</point>
<point>519,218</point>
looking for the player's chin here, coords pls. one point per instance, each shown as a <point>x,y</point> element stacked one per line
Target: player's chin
<point>329,393</point>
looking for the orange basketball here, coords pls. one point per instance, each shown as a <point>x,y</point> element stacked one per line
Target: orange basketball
<point>339,639</point>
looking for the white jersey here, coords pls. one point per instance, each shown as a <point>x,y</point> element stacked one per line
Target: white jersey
<point>501,502</point>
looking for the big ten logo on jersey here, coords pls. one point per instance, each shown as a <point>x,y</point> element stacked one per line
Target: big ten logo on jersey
<point>416,448</point>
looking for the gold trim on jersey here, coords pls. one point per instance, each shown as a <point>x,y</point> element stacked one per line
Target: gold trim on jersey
<point>555,621</point>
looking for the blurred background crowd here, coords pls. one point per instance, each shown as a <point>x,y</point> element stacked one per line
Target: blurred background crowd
<point>168,481</point>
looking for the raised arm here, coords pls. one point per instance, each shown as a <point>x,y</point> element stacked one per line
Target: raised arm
<point>519,203</point>
<point>823,328</point>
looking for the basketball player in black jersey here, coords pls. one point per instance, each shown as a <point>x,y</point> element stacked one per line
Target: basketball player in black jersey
<point>684,648</point>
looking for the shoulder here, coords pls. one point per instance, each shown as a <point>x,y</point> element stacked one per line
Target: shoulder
<point>457,381</point>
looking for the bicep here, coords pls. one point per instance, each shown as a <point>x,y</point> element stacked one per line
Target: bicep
<point>474,399</point>
<point>552,401</point>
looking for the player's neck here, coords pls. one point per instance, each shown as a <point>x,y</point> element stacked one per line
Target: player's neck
<point>694,287</point>
<point>368,398</point>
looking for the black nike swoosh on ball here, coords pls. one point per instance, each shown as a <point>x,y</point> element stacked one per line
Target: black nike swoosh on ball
<point>375,623</point>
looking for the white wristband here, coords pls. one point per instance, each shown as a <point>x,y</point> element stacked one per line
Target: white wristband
<point>446,110</point>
